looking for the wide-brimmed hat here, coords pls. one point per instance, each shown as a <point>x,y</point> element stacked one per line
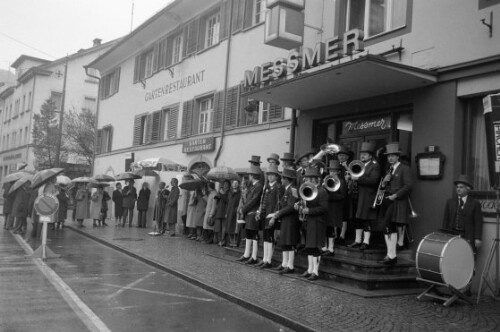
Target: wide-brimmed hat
<point>392,148</point>
<point>287,156</point>
<point>312,171</point>
<point>367,147</point>
<point>302,155</point>
<point>289,173</point>
<point>273,169</point>
<point>462,178</point>
<point>255,159</point>
<point>254,170</point>
<point>275,157</point>
<point>334,164</point>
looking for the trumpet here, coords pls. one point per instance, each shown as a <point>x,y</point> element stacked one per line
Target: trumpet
<point>307,192</point>
<point>329,148</point>
<point>379,197</point>
<point>331,183</point>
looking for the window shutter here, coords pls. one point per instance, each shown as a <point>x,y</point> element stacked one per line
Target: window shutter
<point>155,126</point>
<point>168,60</point>
<point>247,20</point>
<point>156,57</point>
<point>101,89</point>
<point>196,119</point>
<point>99,141</point>
<point>173,115</point>
<point>162,44</point>
<point>187,118</point>
<point>201,33</point>
<point>238,12</point>
<point>117,81</point>
<point>137,130</point>
<point>137,68</point>
<point>232,106</point>
<point>192,37</point>
<point>275,112</point>
<point>110,138</point>
<point>148,128</point>
<point>225,14</point>
<point>218,106</point>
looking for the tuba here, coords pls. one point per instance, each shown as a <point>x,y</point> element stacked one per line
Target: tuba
<point>329,148</point>
<point>307,192</point>
<point>356,168</point>
<point>331,183</point>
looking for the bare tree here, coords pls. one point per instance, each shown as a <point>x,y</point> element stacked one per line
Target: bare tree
<point>79,133</point>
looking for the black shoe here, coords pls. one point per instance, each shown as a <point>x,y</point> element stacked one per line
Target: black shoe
<point>388,261</point>
<point>354,245</point>
<point>172,234</point>
<point>260,264</point>
<point>340,241</point>
<point>242,258</point>
<point>279,268</point>
<point>266,266</point>
<point>305,274</point>
<point>327,253</point>
<point>286,270</point>
<point>251,261</point>
<point>313,277</point>
<point>364,246</point>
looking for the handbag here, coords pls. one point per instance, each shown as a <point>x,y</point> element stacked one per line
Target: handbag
<point>211,221</point>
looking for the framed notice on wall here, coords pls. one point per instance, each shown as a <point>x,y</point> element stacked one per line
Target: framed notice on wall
<point>430,165</point>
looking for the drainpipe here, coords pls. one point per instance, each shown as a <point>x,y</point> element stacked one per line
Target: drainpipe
<point>293,126</point>
<point>226,78</point>
<point>32,111</point>
<point>96,116</point>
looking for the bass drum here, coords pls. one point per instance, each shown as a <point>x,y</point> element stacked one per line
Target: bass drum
<point>446,259</point>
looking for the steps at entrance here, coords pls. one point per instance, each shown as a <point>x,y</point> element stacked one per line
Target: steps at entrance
<point>356,268</point>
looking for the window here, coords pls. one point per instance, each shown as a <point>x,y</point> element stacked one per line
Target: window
<point>206,106</point>
<point>140,129</point>
<point>56,98</point>
<point>212,28</point>
<point>104,139</point>
<point>14,139</point>
<point>165,123</point>
<point>259,10</point>
<point>263,112</point>
<point>20,136</point>
<point>24,104</point>
<point>26,135</point>
<point>375,17</point>
<point>109,84</point>
<point>177,49</point>
<point>29,102</point>
<point>89,104</point>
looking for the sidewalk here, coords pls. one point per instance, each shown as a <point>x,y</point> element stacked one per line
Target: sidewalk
<point>298,304</point>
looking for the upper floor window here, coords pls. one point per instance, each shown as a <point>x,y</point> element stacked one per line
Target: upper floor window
<point>104,139</point>
<point>206,106</point>
<point>109,84</point>
<point>374,17</point>
<point>89,104</point>
<point>212,30</point>
<point>29,102</point>
<point>177,49</point>
<point>259,10</point>
<point>24,104</point>
<point>56,98</point>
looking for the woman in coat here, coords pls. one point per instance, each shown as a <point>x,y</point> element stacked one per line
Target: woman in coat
<point>62,213</point>
<point>143,205</point>
<point>104,208</point>
<point>220,213</point>
<point>192,199</point>
<point>208,219</point>
<point>231,212</point>
<point>96,206</point>
<point>8,200</point>
<point>21,208</point>
<point>82,204</point>
<point>118,201</point>
<point>199,212</point>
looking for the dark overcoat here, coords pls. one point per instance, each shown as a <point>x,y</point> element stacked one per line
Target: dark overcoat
<point>400,185</point>
<point>367,190</point>
<point>288,217</point>
<point>143,200</point>
<point>473,218</point>
<point>336,202</point>
<point>129,197</point>
<point>270,203</point>
<point>20,205</point>
<point>62,213</point>
<point>8,199</point>
<point>118,200</point>
<point>160,204</point>
<point>171,210</point>
<point>251,206</point>
<point>316,224</point>
<point>232,209</point>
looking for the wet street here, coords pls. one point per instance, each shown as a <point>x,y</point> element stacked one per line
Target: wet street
<point>93,287</point>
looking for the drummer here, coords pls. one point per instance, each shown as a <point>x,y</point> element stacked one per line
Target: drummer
<point>463,215</point>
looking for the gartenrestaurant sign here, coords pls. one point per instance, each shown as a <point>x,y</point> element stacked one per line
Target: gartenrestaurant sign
<point>178,85</point>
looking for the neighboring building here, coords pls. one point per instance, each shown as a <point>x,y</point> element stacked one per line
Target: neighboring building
<point>38,80</point>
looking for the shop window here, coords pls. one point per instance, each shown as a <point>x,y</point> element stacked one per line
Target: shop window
<point>104,139</point>
<point>109,84</point>
<point>206,107</point>
<point>212,30</point>
<point>474,141</point>
<point>373,17</point>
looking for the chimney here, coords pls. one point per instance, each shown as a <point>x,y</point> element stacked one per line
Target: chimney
<point>97,42</point>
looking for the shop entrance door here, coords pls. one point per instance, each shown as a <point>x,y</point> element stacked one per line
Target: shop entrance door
<point>354,144</point>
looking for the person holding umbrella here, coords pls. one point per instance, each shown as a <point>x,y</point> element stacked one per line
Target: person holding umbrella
<point>171,211</point>
<point>82,203</point>
<point>129,198</point>
<point>96,205</point>
<point>21,208</point>
<point>161,201</point>
<point>62,214</point>
<point>8,200</point>
<point>143,205</point>
<point>208,220</point>
<point>118,201</point>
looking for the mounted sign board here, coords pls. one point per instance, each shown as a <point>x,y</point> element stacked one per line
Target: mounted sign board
<point>46,205</point>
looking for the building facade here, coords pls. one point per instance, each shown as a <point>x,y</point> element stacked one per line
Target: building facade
<point>38,80</point>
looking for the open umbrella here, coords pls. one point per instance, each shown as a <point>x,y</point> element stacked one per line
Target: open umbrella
<point>153,162</point>
<point>95,184</point>
<point>20,182</point>
<point>63,179</point>
<point>14,176</point>
<point>222,173</point>
<point>192,184</point>
<point>45,175</point>
<point>127,176</point>
<point>103,178</point>
<point>81,179</point>
<point>146,172</point>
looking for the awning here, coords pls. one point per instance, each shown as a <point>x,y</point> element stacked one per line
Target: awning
<point>367,76</point>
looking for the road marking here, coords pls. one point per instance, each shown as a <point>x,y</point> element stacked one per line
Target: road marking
<point>88,317</point>
<point>129,286</point>
<point>162,293</point>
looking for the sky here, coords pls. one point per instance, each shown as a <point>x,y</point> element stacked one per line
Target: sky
<point>52,29</point>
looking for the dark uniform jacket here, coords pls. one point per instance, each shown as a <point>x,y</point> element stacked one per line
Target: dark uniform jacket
<point>316,224</point>
<point>288,217</point>
<point>367,190</point>
<point>270,202</point>
<point>472,216</point>
<point>251,205</point>
<point>400,185</point>
<point>336,201</point>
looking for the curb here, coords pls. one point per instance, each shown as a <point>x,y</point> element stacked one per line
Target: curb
<point>280,319</point>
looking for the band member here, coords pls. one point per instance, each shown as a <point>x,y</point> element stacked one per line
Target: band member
<point>315,212</point>
<point>367,185</point>
<point>288,160</point>
<point>248,211</point>
<point>273,159</point>
<point>268,207</point>
<point>343,157</point>
<point>255,161</point>
<point>395,208</point>
<point>160,205</point>
<point>289,222</point>
<point>302,163</point>
<point>463,215</point>
<point>335,212</point>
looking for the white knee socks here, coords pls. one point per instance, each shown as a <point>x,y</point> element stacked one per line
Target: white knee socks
<point>254,249</point>
<point>359,234</point>
<point>316,265</point>
<point>310,264</point>
<point>366,236</point>
<point>286,255</point>
<point>291,258</point>
<point>248,247</point>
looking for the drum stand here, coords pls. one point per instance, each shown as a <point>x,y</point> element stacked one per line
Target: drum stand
<point>493,256</point>
<point>448,300</point>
